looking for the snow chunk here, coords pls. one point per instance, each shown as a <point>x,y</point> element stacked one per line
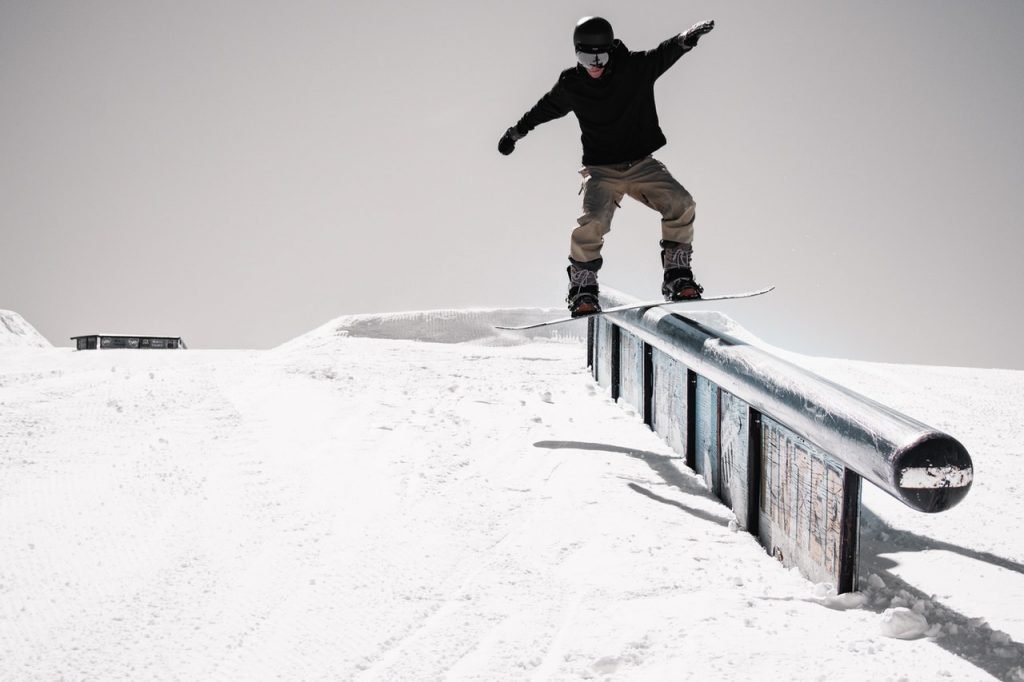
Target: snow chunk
<point>846,602</point>
<point>903,623</point>
<point>913,478</point>
<point>825,594</point>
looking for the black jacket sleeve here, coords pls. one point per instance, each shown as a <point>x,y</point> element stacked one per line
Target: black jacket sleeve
<point>555,104</point>
<point>661,58</point>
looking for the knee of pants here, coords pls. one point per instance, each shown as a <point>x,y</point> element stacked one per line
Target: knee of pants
<point>677,226</point>
<point>586,242</point>
<point>595,222</point>
<point>681,210</point>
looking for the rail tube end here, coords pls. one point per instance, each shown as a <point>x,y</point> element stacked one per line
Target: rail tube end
<point>934,474</point>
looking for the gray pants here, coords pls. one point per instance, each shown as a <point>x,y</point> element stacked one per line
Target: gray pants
<point>647,181</point>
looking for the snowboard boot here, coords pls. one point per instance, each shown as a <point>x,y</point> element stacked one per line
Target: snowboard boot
<point>583,291</point>
<point>678,283</point>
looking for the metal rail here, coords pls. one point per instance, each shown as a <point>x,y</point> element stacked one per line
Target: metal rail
<point>925,468</point>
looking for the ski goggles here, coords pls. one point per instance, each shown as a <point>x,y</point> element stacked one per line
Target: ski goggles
<point>592,60</point>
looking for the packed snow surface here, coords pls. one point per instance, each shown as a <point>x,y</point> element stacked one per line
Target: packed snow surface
<point>419,497</point>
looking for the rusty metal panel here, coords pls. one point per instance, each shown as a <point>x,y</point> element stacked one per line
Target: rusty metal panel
<point>669,398</point>
<point>804,505</point>
<point>734,444</point>
<point>631,371</point>
<point>706,434</point>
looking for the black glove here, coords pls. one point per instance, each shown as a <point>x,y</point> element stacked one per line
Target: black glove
<point>507,143</point>
<point>690,38</point>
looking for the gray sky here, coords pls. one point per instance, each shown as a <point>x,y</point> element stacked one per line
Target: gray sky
<point>239,173</point>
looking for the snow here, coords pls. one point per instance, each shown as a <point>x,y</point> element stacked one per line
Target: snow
<point>15,332</point>
<point>359,504</point>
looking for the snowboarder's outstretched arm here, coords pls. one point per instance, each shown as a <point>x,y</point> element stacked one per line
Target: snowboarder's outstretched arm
<point>554,104</point>
<point>661,58</point>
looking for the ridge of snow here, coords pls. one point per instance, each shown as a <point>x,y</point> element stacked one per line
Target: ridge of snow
<point>469,325</point>
<point>477,325</point>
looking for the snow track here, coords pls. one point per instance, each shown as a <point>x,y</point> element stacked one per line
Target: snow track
<point>380,509</point>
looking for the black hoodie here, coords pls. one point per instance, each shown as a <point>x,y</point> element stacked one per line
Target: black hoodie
<point>616,112</point>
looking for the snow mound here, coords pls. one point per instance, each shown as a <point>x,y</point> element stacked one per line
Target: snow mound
<point>445,326</point>
<point>15,332</point>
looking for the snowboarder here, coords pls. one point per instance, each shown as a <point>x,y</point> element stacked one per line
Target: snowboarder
<point>611,91</point>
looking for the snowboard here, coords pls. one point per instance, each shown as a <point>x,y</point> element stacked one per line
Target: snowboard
<point>635,306</point>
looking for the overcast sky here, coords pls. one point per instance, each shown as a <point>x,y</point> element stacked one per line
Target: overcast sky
<point>239,173</point>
